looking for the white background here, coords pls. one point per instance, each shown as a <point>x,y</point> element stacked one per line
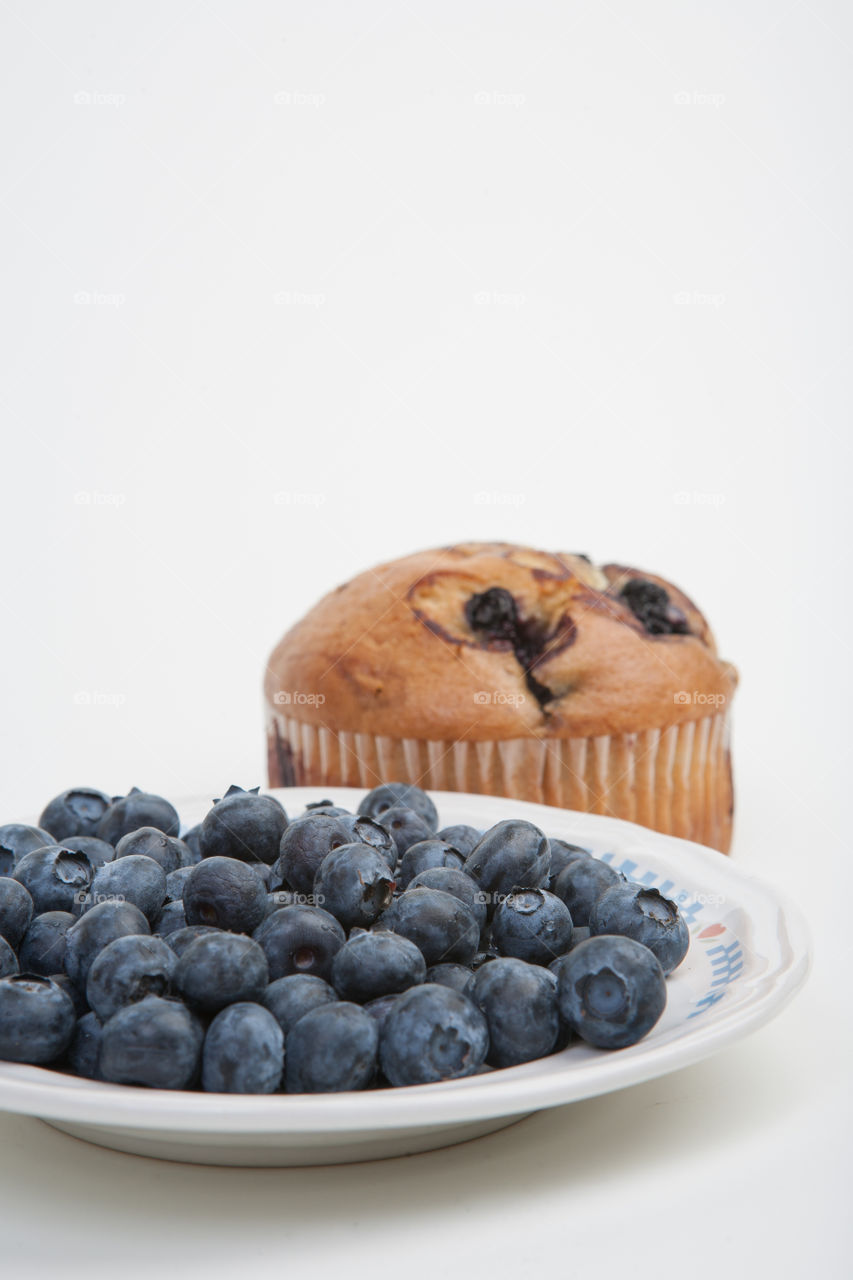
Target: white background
<point>289,289</point>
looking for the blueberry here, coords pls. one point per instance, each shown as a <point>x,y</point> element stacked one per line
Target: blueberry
<point>456,976</point>
<point>225,892</point>
<point>611,991</point>
<point>16,911</point>
<point>458,884</point>
<point>243,1051</point>
<point>55,877</point>
<point>519,1002</point>
<point>367,831</point>
<point>137,809</point>
<point>332,1049</point>
<point>37,1019</point>
<point>16,839</point>
<point>42,950</point>
<point>180,939</point>
<point>355,884</point>
<point>97,851</point>
<point>425,855</point>
<point>532,925</point>
<point>405,826</point>
<point>136,879</point>
<point>581,884</point>
<point>127,970</point>
<point>192,840</point>
<point>370,965</point>
<point>511,854</point>
<point>288,999</point>
<point>151,843</point>
<point>175,882</point>
<point>155,1042</point>
<point>74,813</point>
<point>170,920</point>
<point>300,939</point>
<point>391,794</point>
<point>650,604</point>
<point>432,1033</point>
<point>305,844</point>
<point>439,925</point>
<point>634,911</point>
<point>245,826</point>
<point>85,1049</point>
<point>461,837</point>
<point>562,853</point>
<point>94,931</point>
<point>8,960</point>
<point>220,968</point>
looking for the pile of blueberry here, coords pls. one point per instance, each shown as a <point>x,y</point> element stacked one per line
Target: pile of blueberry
<point>336,951</point>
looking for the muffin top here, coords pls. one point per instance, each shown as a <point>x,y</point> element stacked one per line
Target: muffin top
<point>484,641</point>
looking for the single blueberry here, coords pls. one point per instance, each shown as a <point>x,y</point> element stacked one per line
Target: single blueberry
<point>300,939</point>
<point>650,604</point>
<point>137,809</point>
<point>127,970</point>
<point>405,826</point>
<point>37,1019</point>
<point>288,999</point>
<point>94,931</point>
<point>581,884</point>
<point>219,969</point>
<point>16,839</point>
<point>370,965</point>
<point>532,925</point>
<point>151,843</point>
<point>225,892</point>
<point>55,877</point>
<point>392,794</point>
<point>245,826</point>
<point>424,856</point>
<point>432,1033</point>
<point>439,925</point>
<point>305,844</point>
<point>519,1002</point>
<point>76,812</point>
<point>458,884</point>
<point>611,991</point>
<point>155,1043</point>
<point>461,837</point>
<point>355,884</point>
<point>635,911</point>
<point>136,879</point>
<point>16,911</point>
<point>243,1051</point>
<point>332,1049</point>
<point>511,854</point>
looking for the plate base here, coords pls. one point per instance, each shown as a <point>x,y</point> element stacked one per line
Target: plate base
<point>283,1151</point>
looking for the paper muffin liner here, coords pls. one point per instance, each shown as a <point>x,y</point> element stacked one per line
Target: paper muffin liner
<point>676,780</point>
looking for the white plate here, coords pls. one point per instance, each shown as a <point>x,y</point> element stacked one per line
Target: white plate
<point>749,953</point>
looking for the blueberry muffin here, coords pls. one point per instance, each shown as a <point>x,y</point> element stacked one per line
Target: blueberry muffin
<point>499,669</point>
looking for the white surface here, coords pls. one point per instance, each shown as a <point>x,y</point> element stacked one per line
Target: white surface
<point>766,939</point>
<point>580,412</point>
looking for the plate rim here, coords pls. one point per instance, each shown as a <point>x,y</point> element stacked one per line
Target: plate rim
<point>52,1095</point>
